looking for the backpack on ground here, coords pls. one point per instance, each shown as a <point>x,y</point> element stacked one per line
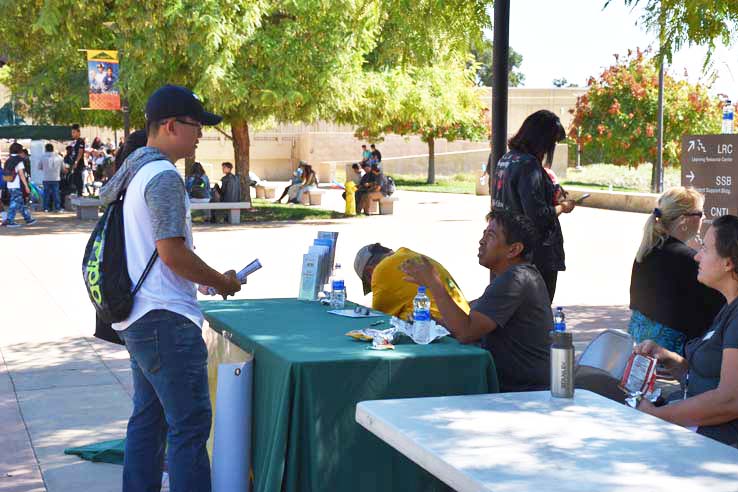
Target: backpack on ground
<point>105,268</point>
<point>199,188</point>
<point>389,186</point>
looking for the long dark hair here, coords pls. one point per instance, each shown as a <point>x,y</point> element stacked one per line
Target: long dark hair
<point>135,140</point>
<point>538,135</point>
<point>197,169</point>
<point>726,238</point>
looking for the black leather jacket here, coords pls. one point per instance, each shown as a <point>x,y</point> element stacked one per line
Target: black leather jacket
<point>520,185</point>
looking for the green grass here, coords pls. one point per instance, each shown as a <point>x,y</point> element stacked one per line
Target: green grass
<point>622,178</point>
<point>458,183</point>
<point>266,211</point>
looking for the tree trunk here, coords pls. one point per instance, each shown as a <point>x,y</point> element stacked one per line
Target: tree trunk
<point>431,161</point>
<point>189,161</point>
<point>241,148</point>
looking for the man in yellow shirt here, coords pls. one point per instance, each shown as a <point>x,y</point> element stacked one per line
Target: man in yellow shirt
<point>380,273</point>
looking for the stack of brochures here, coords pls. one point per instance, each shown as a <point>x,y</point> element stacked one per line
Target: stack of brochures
<point>317,265</point>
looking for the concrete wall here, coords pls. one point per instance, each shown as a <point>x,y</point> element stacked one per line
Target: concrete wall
<point>275,152</point>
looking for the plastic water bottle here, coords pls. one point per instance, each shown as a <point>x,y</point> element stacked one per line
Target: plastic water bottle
<point>421,317</point>
<point>559,320</point>
<point>728,117</point>
<point>338,289</point>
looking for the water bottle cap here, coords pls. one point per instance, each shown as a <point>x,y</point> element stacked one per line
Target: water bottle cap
<point>337,284</point>
<point>559,308</point>
<point>421,289</point>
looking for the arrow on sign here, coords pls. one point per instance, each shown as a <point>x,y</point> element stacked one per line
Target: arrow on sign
<point>690,176</point>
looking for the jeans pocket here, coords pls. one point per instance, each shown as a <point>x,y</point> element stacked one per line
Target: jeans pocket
<point>144,349</point>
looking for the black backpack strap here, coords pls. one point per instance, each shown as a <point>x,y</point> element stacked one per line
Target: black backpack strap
<point>146,271</point>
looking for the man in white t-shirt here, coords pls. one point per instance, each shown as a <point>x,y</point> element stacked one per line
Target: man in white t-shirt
<point>171,402</point>
<point>14,174</point>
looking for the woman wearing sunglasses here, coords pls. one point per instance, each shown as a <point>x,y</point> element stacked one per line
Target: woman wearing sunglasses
<point>668,305</point>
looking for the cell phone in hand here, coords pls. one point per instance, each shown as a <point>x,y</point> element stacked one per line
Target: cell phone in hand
<point>579,200</point>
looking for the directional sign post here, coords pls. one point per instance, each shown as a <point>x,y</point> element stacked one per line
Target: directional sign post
<point>710,165</point>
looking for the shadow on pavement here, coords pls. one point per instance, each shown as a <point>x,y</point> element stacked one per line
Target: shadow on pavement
<point>586,322</point>
<point>67,223</point>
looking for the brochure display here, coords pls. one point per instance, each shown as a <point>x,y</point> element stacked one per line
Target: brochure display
<point>317,265</point>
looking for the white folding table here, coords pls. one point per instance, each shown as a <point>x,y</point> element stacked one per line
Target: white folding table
<point>523,442</point>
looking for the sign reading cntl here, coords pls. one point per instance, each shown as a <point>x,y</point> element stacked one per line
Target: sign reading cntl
<point>710,165</point>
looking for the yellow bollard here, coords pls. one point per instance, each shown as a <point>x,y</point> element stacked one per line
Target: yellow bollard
<point>350,198</point>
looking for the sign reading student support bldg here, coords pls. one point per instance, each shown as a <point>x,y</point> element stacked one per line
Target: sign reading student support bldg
<point>710,165</point>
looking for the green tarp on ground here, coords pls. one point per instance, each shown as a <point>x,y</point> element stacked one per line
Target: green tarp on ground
<point>37,132</point>
<point>102,452</point>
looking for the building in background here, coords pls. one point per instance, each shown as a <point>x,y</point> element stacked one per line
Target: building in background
<point>275,152</point>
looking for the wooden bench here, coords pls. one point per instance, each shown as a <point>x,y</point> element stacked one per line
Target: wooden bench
<point>233,207</point>
<point>383,206</point>
<point>87,208</point>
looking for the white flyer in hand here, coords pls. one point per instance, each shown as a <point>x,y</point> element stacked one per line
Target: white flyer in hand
<point>241,276</point>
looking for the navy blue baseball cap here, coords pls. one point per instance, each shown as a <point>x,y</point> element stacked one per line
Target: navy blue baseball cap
<point>171,101</point>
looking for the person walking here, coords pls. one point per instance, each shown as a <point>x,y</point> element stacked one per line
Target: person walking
<point>522,186</point>
<point>50,166</point>
<point>171,401</point>
<point>14,174</point>
<point>78,160</point>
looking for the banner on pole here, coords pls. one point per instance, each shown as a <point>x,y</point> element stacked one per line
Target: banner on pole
<point>102,77</point>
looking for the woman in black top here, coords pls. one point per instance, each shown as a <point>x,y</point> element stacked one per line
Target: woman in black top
<point>522,186</point>
<point>668,305</point>
<point>709,369</point>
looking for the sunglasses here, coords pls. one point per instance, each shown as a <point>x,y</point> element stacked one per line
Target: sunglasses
<point>694,214</point>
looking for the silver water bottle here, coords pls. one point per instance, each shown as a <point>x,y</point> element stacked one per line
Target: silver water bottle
<point>562,365</point>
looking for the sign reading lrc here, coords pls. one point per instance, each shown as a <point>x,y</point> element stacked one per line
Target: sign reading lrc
<point>710,165</point>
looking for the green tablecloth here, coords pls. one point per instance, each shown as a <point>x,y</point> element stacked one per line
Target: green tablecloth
<point>308,377</point>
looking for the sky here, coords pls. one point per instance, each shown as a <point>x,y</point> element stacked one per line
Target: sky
<point>576,39</point>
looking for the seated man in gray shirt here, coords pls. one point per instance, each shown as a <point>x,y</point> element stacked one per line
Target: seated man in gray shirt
<point>513,317</point>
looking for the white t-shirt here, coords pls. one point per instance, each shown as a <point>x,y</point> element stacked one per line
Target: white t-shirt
<point>156,207</point>
<point>16,183</point>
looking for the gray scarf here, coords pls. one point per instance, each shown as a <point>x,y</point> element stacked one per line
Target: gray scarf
<point>123,176</point>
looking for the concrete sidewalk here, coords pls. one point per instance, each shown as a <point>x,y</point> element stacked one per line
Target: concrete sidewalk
<point>59,387</point>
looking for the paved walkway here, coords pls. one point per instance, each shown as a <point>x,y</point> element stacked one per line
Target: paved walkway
<point>60,387</point>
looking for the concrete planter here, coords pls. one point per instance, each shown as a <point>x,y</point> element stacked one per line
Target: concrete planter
<point>615,200</point>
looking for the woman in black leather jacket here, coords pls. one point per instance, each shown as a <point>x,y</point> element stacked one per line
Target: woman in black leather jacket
<point>522,186</point>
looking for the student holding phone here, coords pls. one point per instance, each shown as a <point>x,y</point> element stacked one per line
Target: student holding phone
<point>522,185</point>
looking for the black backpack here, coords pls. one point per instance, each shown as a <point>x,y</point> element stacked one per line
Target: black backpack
<point>389,186</point>
<point>105,271</point>
<point>11,163</point>
<point>199,190</point>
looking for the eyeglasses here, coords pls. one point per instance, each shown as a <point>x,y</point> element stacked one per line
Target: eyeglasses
<point>189,123</point>
<point>698,213</point>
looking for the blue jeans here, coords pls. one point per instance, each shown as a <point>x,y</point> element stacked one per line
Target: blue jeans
<point>17,203</point>
<point>171,405</point>
<point>51,191</point>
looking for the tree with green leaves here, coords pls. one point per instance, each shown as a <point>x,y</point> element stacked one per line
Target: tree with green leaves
<point>255,62</point>
<point>482,53</point>
<point>562,82</point>
<point>432,102</point>
<point>685,22</point>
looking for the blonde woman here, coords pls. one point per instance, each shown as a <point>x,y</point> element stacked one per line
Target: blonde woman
<point>667,303</point>
<point>709,368</point>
